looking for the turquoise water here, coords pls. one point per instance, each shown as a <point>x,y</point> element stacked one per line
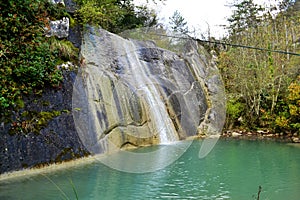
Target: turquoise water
<point>233,170</point>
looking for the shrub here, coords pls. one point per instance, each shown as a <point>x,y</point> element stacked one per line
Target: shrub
<point>114,15</point>
<point>234,111</point>
<point>288,117</point>
<point>28,64</point>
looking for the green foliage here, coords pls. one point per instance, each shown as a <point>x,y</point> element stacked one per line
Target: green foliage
<point>114,15</point>
<point>234,110</point>
<point>245,15</point>
<point>289,120</point>
<point>64,48</point>
<point>32,121</point>
<point>35,67</point>
<point>98,12</point>
<point>178,23</point>
<point>74,189</point>
<point>28,59</point>
<point>27,62</point>
<point>262,80</point>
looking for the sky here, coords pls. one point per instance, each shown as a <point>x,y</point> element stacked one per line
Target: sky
<point>204,16</point>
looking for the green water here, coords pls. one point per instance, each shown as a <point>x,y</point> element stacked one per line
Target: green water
<point>233,170</point>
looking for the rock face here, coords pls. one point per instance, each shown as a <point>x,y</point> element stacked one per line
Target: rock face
<point>61,2</point>
<point>55,143</point>
<point>134,93</point>
<point>75,35</point>
<point>127,93</point>
<point>59,28</point>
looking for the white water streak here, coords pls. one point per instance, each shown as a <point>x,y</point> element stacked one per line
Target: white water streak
<point>143,82</point>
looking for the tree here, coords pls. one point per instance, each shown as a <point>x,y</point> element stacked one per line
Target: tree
<point>178,23</point>
<point>114,15</point>
<point>257,81</point>
<point>288,5</point>
<point>245,15</point>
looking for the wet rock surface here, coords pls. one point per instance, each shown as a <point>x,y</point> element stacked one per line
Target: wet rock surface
<point>127,93</point>
<point>56,142</point>
<point>135,92</point>
<point>260,135</point>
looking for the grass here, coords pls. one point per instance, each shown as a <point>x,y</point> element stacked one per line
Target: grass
<point>61,191</point>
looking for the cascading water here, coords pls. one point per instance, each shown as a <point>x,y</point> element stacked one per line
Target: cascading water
<point>134,93</point>
<point>162,123</point>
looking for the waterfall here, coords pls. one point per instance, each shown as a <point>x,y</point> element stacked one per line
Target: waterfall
<point>131,92</point>
<point>140,77</point>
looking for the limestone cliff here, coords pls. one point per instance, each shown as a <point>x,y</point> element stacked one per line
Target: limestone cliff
<point>133,92</point>
<point>57,141</point>
<point>127,92</point>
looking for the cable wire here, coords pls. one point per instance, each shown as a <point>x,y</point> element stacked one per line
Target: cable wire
<point>232,45</point>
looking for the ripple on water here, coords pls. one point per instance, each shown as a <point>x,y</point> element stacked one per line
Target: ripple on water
<point>233,170</point>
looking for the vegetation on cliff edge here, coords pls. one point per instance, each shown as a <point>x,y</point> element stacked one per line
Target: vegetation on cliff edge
<point>28,59</point>
<point>262,86</point>
<point>28,64</point>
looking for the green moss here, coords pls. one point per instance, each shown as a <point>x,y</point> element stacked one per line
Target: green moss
<point>72,21</point>
<point>66,50</point>
<point>45,103</point>
<point>66,111</point>
<point>32,121</point>
<point>20,103</point>
<point>29,58</point>
<point>70,151</point>
<point>64,152</point>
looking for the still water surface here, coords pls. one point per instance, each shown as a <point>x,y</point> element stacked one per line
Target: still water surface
<point>233,170</point>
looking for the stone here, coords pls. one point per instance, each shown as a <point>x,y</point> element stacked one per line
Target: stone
<point>124,76</point>
<point>70,6</point>
<point>60,2</point>
<point>66,66</point>
<point>295,139</point>
<point>133,92</point>
<point>235,134</point>
<point>295,134</point>
<point>261,132</point>
<point>269,135</point>
<point>75,35</point>
<point>58,28</point>
<point>56,142</point>
<point>2,126</point>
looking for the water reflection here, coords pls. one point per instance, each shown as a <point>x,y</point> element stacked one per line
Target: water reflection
<point>233,170</point>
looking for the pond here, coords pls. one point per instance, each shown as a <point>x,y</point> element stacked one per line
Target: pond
<point>234,169</point>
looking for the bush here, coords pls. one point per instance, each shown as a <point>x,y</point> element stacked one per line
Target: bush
<point>288,115</point>
<point>27,62</point>
<point>234,111</point>
<point>114,15</point>
<point>294,105</point>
